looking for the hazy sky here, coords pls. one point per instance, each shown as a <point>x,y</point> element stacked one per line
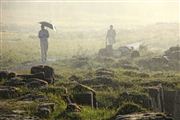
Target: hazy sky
<point>90,13</point>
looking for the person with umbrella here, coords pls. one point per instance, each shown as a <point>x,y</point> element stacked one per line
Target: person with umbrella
<point>43,36</point>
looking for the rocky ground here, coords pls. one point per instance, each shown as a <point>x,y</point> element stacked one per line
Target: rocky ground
<point>100,88</point>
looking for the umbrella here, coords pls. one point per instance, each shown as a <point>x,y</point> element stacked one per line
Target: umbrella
<point>47,24</point>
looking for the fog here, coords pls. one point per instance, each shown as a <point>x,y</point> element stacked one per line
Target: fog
<point>85,23</point>
<point>90,14</point>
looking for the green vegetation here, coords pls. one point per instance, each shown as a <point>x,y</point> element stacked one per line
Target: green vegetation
<point>76,61</point>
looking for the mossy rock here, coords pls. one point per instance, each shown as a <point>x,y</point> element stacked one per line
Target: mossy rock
<point>136,97</point>
<point>80,88</point>
<point>128,108</point>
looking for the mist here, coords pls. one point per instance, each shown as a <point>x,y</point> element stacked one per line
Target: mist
<point>90,14</point>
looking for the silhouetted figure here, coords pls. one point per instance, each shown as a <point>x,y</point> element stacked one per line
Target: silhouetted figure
<point>110,37</point>
<point>43,36</point>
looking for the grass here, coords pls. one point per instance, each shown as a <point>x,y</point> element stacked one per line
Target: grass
<point>23,49</point>
<point>96,114</point>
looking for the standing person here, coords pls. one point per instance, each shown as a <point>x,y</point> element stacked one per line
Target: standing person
<point>110,37</point>
<point>43,36</point>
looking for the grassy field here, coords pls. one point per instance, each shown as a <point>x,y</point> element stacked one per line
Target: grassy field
<point>21,51</point>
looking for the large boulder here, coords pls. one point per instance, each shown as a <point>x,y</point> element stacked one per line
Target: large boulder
<point>47,70</point>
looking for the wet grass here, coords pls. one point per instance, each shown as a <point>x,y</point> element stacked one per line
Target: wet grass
<point>20,53</point>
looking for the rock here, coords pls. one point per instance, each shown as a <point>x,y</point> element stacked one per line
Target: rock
<point>177,106</point>
<point>104,72</point>
<point>18,117</point>
<point>16,81</point>
<point>50,106</point>
<point>43,112</point>
<point>37,75</point>
<point>7,92</point>
<point>173,53</point>
<point>160,60</point>
<point>85,99</point>
<point>32,97</point>
<point>138,98</point>
<point>143,116</point>
<point>45,109</point>
<point>74,78</point>
<point>11,75</point>
<point>169,101</point>
<point>124,50</point>
<point>37,69</point>
<point>36,83</point>
<point>80,88</point>
<point>67,99</point>
<point>135,54</point>
<point>47,70</point>
<point>157,95</point>
<point>128,108</point>
<point>84,95</point>
<point>3,75</point>
<point>156,63</point>
<point>73,107</point>
<point>106,52</point>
